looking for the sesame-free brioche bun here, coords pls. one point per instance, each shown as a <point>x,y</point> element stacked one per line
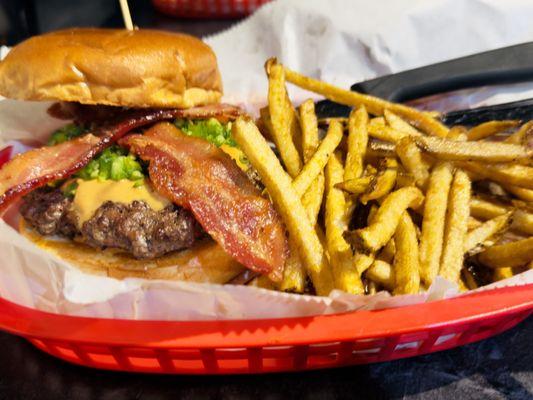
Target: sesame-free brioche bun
<point>205,262</point>
<point>139,68</point>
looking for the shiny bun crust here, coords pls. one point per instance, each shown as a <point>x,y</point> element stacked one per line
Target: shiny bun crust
<point>204,262</point>
<point>141,68</point>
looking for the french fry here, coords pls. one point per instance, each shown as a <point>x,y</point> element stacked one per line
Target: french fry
<point>388,252</point>
<point>483,209</point>
<point>371,288</point>
<point>411,159</point>
<point>374,105</point>
<point>456,227</point>
<point>473,223</point>
<point>521,193</point>
<point>386,133</point>
<point>469,279</point>
<point>490,128</point>
<point>502,273</point>
<point>406,264</point>
<point>520,135</point>
<point>445,149</point>
<point>458,133</point>
<point>357,143</point>
<point>508,174</point>
<point>377,234</point>
<point>399,124</point>
<point>288,203</point>
<point>294,273</point>
<point>381,272</point>
<point>486,230</point>
<point>513,254</point>
<point>263,282</point>
<point>346,276</point>
<point>383,183</point>
<point>362,262</point>
<point>312,199</point>
<point>318,161</point>
<point>435,206</point>
<point>355,186</point>
<point>283,119</point>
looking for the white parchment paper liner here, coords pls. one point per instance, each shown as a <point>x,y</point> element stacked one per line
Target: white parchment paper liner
<point>340,41</point>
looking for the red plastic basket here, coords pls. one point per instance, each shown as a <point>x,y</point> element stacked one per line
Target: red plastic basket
<point>208,8</point>
<point>270,345</point>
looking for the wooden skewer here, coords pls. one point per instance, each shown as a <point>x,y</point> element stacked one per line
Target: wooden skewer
<point>126,14</point>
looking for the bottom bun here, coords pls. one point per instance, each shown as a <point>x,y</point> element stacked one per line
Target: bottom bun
<point>206,261</point>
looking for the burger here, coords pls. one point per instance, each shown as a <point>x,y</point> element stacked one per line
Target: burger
<point>144,179</point>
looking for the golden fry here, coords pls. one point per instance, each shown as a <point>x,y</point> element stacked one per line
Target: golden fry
<point>346,276</point>
<point>386,133</point>
<point>294,273</point>
<point>411,158</point>
<point>377,234</point>
<point>399,124</point>
<point>469,279</point>
<point>388,252</point>
<point>381,272</point>
<point>473,223</point>
<point>480,208</point>
<point>374,105</point>
<point>362,262</point>
<point>456,227</point>
<point>521,193</point>
<point>383,183</point>
<point>486,230</point>
<point>523,222</point>
<point>509,174</point>
<point>406,267</point>
<point>520,135</point>
<point>288,203</point>
<point>473,151</point>
<point>312,199</point>
<point>435,206</point>
<point>283,120</point>
<point>317,163</point>
<point>513,254</point>
<point>458,133</point>
<point>357,144</point>
<point>502,273</point>
<point>490,128</point>
<point>355,186</point>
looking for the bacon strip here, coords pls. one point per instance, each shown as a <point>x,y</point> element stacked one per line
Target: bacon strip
<point>198,176</point>
<point>36,168</point>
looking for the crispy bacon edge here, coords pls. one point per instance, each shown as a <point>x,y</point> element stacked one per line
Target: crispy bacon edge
<point>110,134</point>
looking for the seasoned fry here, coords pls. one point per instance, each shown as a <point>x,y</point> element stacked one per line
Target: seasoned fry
<point>502,273</point>
<point>521,193</point>
<point>312,199</point>
<point>456,227</point>
<point>283,119</point>
<point>411,158</point>
<point>355,186</point>
<point>377,234</point>
<point>406,267</point>
<point>523,222</point>
<point>490,128</point>
<point>431,240</point>
<point>288,203</point>
<point>317,163</point>
<point>362,262</point>
<point>509,255</point>
<point>473,223</point>
<point>486,230</point>
<point>458,133</point>
<point>520,135</point>
<point>381,272</point>
<point>357,143</point>
<point>480,208</point>
<point>509,174</point>
<point>294,272</point>
<point>386,133</point>
<point>399,124</point>
<point>383,183</point>
<point>346,276</point>
<point>473,151</point>
<point>373,104</point>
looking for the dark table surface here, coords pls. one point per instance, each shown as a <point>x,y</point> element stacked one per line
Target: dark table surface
<point>497,368</point>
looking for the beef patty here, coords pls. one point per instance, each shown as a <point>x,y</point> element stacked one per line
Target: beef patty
<point>135,227</point>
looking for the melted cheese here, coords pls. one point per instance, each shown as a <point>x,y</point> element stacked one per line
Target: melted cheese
<point>90,195</point>
<point>236,155</point>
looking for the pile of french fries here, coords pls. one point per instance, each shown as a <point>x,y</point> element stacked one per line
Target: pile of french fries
<point>390,198</point>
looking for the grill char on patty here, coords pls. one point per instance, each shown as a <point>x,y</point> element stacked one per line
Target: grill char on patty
<point>135,227</point>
